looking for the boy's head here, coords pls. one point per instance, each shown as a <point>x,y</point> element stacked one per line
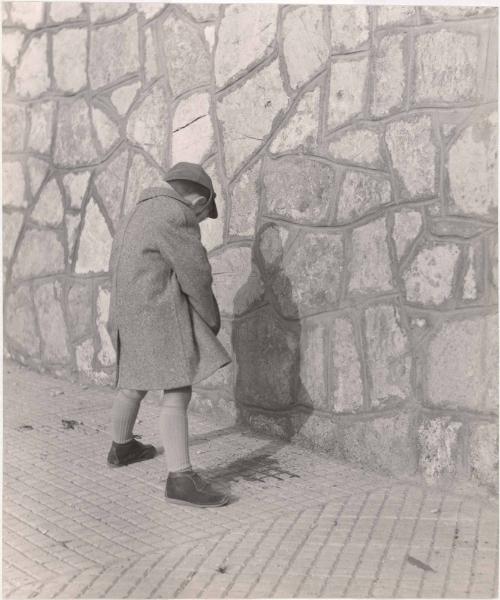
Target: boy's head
<point>192,182</point>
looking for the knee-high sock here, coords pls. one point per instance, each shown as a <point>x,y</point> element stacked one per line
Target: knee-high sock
<point>123,416</point>
<point>174,428</point>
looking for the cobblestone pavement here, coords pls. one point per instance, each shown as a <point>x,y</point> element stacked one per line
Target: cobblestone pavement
<point>299,524</point>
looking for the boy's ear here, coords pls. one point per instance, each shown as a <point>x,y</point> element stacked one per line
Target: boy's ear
<point>199,203</point>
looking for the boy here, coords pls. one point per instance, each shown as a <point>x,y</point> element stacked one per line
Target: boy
<point>164,320</point>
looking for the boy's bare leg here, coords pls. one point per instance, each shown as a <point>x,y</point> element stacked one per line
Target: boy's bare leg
<point>174,428</point>
<point>124,413</point>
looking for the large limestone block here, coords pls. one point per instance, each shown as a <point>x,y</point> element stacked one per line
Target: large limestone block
<point>439,13</point>
<point>345,366</point>
<point>11,228</point>
<point>388,355</point>
<point>358,145</point>
<point>75,185</point>
<point>246,35</point>
<point>141,175</point>
<point>148,123</point>
<point>267,360</point>
<point>245,197</point>
<point>49,209</point>
<point>313,374</point>
<point>428,278</point>
<point>95,242</point>
<point>32,75</point>
<point>407,226</point>
<point>188,62</point>
<point>27,14</point>
<point>461,365</point>
<point>69,55</point>
<point>389,75</point>
<point>110,184</point>
<point>370,269</point>
<point>20,324</point>
<point>12,42</point>
<point>37,170</point>
<point>106,354</point>
<point>446,66</point>
<point>13,127</point>
<point>74,145</point>
<point>236,281</point>
<point>298,189</point>
<point>360,194</point>
<point>247,115</point>
<point>473,169</point>
<point>306,279</point>
<point>347,90</point>
<point>42,118</point>
<point>192,131</point>
<point>272,242</point>
<point>305,47</point>
<point>114,51</point>
<point>40,253</point>
<point>106,130</point>
<point>438,441</point>
<point>13,184</point>
<point>395,15</point>
<point>107,11</point>
<point>413,152</point>
<point>301,129</point>
<point>65,11</point>
<point>72,223</point>
<point>123,97</point>
<point>483,451</point>
<point>79,309</point>
<point>202,12</point>
<point>150,9</point>
<point>350,28</point>
<point>212,230</point>
<point>47,298</point>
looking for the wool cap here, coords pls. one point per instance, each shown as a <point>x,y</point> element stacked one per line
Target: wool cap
<point>194,172</point>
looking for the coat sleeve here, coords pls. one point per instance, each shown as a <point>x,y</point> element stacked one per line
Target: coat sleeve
<point>180,245</point>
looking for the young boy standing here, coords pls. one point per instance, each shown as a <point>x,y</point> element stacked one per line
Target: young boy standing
<point>164,320</point>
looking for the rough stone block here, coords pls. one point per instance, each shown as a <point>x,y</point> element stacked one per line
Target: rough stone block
<point>347,90</point>
<point>471,283</point>
<point>245,36</point>
<point>413,153</point>
<point>106,354</point>
<point>298,189</point>
<point>95,242</point>
<point>188,61</point>
<point>247,115</point>
<point>345,366</point>
<point>40,253</point>
<point>407,226</point>
<point>439,13</point>
<point>13,185</point>
<point>395,15</point>
<point>79,309</point>
<point>110,185</point>
<point>49,210</point>
<point>212,230</point>
<point>69,55</point>
<point>429,277</point>
<point>74,144</point>
<point>37,170</point>
<point>27,14</point>
<point>461,365</point>
<point>32,75</point>
<point>370,268</point>
<point>11,228</point>
<point>123,97</point>
<point>42,118</point>
<point>72,223</point>
<point>193,134</point>
<point>438,441</point>
<point>12,42</point>
<point>47,298</point>
<point>358,145</point>
<point>350,28</point>
<point>472,169</point>
<point>271,245</point>
<point>65,11</point>
<point>360,194</point>
<point>151,70</point>
<point>389,75</point>
<point>388,355</point>
<point>75,185</point>
<point>141,175</point>
<point>202,12</point>
<point>446,66</point>
<point>313,374</point>
<point>267,360</point>
<point>149,9</point>
<point>20,324</point>
<point>106,130</point>
<point>483,454</point>
<point>119,43</point>
<point>305,47</point>
<point>13,127</point>
<point>245,197</point>
<point>107,11</point>
<point>276,424</point>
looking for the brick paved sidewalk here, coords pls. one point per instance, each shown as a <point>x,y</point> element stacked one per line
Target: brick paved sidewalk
<point>299,525</point>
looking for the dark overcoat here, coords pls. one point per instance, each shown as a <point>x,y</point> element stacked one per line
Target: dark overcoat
<point>163,316</point>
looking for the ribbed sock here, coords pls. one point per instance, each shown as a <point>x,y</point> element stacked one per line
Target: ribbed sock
<point>174,428</point>
<point>123,416</point>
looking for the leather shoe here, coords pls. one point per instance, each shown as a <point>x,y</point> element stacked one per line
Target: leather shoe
<point>187,487</point>
<point>121,455</point>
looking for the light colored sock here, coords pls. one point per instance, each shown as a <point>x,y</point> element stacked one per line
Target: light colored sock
<point>174,428</point>
<point>123,416</point>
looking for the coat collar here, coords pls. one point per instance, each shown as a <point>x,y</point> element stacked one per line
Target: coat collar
<point>163,189</point>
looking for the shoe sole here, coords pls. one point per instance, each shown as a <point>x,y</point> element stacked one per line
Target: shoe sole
<point>186,503</point>
<point>113,466</point>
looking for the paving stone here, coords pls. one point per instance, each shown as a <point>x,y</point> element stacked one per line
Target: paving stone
<point>123,97</point>
<point>460,365</point>
<point>245,203</point>
<point>74,144</point>
<point>347,90</point>
<point>37,170</point>
<point>305,59</point>
<point>388,355</point>
<point>105,128</point>
<point>11,228</point>
<point>407,226</point>
<point>141,175</point>
<point>350,28</point>
<point>298,189</point>
<point>32,74</point>
<point>40,253</point>
<point>107,12</point>
<point>13,185</point>
<point>438,442</point>
<point>79,308</point>
<point>148,124</point>
<point>69,55</point>
<point>106,355</point>
<point>76,185</point>
<point>395,15</point>
<point>47,299</point>
<point>119,43</point>
<point>20,322</point>
<point>483,445</point>
<point>193,135</point>
<point>370,269</point>
<point>389,75</point>
<point>245,36</point>
<point>247,115</point>
<point>187,58</point>
<point>446,66</point>
<point>212,230</point>
<point>472,169</point>
<point>95,242</point>
<point>360,194</point>
<point>65,11</point>
<point>428,278</point>
<point>42,118</point>
<point>12,42</point>
<point>110,185</point>
<point>358,145</point>
<point>49,209</point>
<point>302,127</point>
<point>413,153</point>
<point>13,128</point>
<point>27,14</point>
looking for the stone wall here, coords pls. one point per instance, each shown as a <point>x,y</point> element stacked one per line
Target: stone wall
<point>354,152</point>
